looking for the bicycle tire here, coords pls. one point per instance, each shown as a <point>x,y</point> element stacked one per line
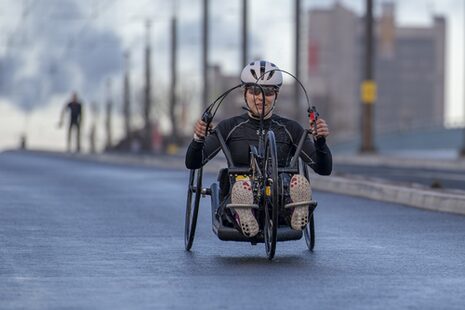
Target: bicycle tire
<point>192,207</point>
<point>272,204</point>
<point>309,231</point>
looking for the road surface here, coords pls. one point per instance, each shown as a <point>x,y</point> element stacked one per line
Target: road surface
<point>80,235</point>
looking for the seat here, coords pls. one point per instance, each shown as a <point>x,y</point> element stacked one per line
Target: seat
<point>227,233</point>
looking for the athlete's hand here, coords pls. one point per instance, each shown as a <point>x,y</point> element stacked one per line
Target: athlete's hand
<point>200,128</point>
<point>322,130</point>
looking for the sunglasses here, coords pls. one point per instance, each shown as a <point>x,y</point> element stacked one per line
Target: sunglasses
<point>257,91</point>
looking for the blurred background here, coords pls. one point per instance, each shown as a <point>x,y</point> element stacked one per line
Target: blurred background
<point>144,70</point>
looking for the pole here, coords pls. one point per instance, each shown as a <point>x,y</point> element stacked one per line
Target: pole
<point>93,128</point>
<point>108,121</point>
<point>148,93</point>
<point>462,150</point>
<point>297,60</point>
<point>127,99</point>
<point>173,80</point>
<point>368,87</point>
<point>245,41</point>
<point>205,55</point>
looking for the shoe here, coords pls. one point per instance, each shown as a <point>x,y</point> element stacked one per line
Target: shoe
<point>301,196</point>
<point>242,205</point>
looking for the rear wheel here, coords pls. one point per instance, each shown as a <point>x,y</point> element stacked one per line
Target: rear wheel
<point>192,206</point>
<point>271,196</point>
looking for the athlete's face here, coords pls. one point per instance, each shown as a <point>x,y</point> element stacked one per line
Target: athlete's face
<point>254,97</point>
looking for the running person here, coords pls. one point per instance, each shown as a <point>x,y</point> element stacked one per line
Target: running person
<point>239,132</point>
<point>75,118</point>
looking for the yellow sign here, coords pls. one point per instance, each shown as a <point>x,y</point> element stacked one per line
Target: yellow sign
<point>268,191</point>
<point>368,91</point>
<point>172,149</point>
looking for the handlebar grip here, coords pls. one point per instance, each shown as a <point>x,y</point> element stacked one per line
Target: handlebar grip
<point>313,115</point>
<point>207,117</point>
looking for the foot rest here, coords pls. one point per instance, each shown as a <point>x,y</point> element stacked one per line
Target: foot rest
<point>309,203</point>
<point>242,206</point>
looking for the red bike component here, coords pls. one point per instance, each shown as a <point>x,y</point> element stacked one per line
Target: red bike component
<point>313,115</point>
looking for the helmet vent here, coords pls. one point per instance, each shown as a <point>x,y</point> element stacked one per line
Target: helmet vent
<point>262,69</point>
<point>254,73</point>
<point>270,75</point>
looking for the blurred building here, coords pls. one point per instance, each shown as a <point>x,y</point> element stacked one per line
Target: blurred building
<point>409,70</point>
<point>219,83</point>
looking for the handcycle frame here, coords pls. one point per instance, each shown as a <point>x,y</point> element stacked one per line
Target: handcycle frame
<point>266,178</point>
<point>267,185</point>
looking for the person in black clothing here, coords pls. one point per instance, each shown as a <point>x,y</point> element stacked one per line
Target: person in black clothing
<point>75,117</point>
<point>242,131</point>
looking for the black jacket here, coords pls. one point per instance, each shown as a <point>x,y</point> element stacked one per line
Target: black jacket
<point>241,131</point>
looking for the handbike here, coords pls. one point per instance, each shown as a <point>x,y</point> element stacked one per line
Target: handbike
<point>268,189</point>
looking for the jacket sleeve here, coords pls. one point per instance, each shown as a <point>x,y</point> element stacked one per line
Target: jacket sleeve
<point>321,157</point>
<point>315,153</point>
<point>199,153</point>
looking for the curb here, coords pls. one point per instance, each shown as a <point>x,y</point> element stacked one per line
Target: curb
<point>401,162</point>
<point>428,199</point>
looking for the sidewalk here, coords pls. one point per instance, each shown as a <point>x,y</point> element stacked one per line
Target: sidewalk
<point>438,160</point>
<point>423,197</point>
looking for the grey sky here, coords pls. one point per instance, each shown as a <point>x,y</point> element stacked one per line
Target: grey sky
<point>50,47</point>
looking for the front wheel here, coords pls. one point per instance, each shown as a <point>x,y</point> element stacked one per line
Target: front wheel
<point>271,195</point>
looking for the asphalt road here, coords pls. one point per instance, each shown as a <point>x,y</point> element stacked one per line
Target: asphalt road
<point>82,235</point>
<point>442,178</point>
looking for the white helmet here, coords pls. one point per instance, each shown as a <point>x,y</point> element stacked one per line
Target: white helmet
<point>254,72</point>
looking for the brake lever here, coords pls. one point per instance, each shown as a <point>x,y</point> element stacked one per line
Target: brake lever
<point>207,118</point>
<point>313,115</point>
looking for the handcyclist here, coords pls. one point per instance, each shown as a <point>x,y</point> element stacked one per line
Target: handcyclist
<point>242,131</point>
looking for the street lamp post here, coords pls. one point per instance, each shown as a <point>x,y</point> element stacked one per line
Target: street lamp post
<point>108,120</point>
<point>297,59</point>
<point>205,29</point>
<point>147,93</point>
<point>173,101</point>
<point>127,98</point>
<point>368,86</point>
<point>462,150</point>
<point>245,41</point>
